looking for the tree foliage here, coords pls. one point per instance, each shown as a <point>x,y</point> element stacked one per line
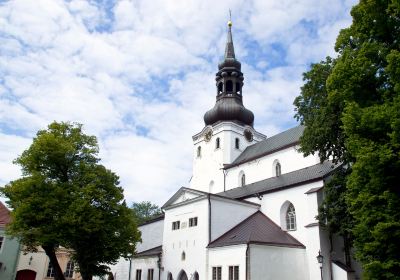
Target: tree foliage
<point>66,198</point>
<point>351,108</point>
<point>145,211</point>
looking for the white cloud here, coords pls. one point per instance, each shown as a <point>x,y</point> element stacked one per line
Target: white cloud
<point>140,75</point>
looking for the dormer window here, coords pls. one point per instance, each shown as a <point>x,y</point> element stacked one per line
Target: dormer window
<point>217,143</point>
<point>237,143</point>
<point>199,151</point>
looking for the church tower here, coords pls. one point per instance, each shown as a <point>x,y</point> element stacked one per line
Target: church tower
<point>228,126</point>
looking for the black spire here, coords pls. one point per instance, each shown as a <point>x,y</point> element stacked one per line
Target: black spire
<point>229,105</point>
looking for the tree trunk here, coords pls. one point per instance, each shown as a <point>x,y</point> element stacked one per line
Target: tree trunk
<point>86,276</point>
<point>50,252</point>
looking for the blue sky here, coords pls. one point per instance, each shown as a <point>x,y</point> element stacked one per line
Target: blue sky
<point>140,74</point>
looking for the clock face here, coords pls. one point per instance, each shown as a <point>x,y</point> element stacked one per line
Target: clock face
<point>208,134</point>
<point>248,135</point>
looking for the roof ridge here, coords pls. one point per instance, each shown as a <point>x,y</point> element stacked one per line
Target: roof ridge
<point>249,186</point>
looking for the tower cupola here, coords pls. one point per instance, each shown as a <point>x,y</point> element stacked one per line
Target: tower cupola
<point>229,83</point>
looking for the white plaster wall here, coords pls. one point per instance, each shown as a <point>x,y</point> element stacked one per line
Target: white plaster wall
<point>271,263</point>
<point>228,256</point>
<point>144,264</point>
<point>227,214</point>
<point>263,168</point>
<point>306,206</point>
<point>191,240</point>
<point>208,167</point>
<point>338,273</point>
<point>152,235</point>
<point>121,270</point>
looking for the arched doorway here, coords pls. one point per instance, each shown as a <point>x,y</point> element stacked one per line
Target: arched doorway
<point>182,275</point>
<point>26,274</point>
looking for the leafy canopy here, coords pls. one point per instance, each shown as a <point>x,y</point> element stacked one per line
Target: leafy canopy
<point>66,198</point>
<point>351,108</point>
<point>145,211</point>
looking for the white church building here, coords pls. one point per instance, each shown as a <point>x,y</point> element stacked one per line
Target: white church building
<point>250,211</point>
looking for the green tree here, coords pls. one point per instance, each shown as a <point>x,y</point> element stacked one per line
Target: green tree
<point>66,198</point>
<point>145,211</point>
<point>351,109</point>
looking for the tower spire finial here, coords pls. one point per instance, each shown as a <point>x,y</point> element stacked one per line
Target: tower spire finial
<point>229,50</point>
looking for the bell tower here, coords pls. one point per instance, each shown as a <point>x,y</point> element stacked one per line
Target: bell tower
<point>228,126</point>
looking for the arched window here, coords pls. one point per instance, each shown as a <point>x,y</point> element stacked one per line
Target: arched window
<point>243,180</point>
<point>219,87</point>
<point>278,170</point>
<point>217,143</point>
<point>170,276</point>
<point>199,151</point>
<point>291,218</point>
<point>238,88</point>
<point>196,276</point>
<point>229,86</point>
<point>237,143</point>
<point>183,256</point>
<point>69,271</point>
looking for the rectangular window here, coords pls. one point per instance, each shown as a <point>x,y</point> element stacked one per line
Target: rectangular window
<point>1,242</point>
<point>69,271</point>
<point>138,274</point>
<point>233,272</point>
<point>50,270</point>
<point>193,222</point>
<point>150,274</point>
<point>216,273</point>
<point>176,225</point>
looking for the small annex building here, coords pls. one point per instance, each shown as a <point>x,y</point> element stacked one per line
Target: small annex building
<point>250,210</point>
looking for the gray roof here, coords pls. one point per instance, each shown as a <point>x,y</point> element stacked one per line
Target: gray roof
<point>275,143</point>
<point>301,176</point>
<point>256,229</point>
<point>150,252</point>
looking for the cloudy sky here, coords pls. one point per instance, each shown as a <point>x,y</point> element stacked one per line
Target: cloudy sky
<point>140,74</point>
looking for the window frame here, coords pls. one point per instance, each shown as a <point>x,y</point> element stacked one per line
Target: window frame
<point>2,241</point>
<point>69,269</point>
<point>237,143</point>
<point>50,271</point>
<point>233,272</point>
<point>291,223</point>
<point>138,274</point>
<point>150,272</point>
<point>193,222</point>
<point>176,225</point>
<point>278,169</point>
<point>217,143</point>
<point>216,273</point>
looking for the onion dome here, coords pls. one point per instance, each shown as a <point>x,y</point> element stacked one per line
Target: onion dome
<point>229,82</point>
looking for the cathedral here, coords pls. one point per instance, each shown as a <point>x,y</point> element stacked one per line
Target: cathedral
<point>250,211</point>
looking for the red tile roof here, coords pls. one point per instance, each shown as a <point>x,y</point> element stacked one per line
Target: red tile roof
<point>5,217</point>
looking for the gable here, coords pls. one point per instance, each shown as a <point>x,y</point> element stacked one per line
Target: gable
<point>183,195</point>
